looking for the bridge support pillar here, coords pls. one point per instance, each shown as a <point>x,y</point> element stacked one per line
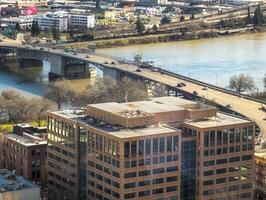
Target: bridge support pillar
<point>57,65</point>
<point>112,73</point>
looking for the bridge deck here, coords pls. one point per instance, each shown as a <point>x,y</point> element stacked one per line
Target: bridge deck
<point>242,105</point>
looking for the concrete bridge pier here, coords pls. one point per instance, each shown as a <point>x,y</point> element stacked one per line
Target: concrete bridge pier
<point>112,73</point>
<point>57,65</point>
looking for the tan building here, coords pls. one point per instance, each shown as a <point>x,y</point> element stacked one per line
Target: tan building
<point>26,154</point>
<point>164,148</point>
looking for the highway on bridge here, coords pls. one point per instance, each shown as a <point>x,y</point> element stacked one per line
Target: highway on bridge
<point>241,104</point>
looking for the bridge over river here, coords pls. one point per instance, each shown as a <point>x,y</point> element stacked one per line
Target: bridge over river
<point>115,68</point>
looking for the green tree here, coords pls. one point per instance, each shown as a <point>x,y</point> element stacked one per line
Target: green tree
<point>166,20</point>
<point>258,17</point>
<point>17,27</point>
<point>241,83</point>
<point>139,25</point>
<point>35,31</point>
<point>56,35</point>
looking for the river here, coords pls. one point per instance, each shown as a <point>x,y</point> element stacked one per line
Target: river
<point>212,60</point>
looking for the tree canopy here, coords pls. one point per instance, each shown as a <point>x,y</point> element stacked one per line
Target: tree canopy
<point>139,26</point>
<point>241,83</point>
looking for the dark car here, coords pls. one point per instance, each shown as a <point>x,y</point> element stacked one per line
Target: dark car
<point>179,85</point>
<point>183,84</point>
<point>138,70</point>
<point>113,63</point>
<point>195,93</point>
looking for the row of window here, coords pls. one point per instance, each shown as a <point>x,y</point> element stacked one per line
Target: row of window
<point>149,172</point>
<point>104,179</point>
<point>62,151</point>
<point>150,161</point>
<point>150,182</point>
<point>225,150</point>
<point>150,146</point>
<point>231,188</point>
<point>224,179</point>
<point>101,197</point>
<point>104,169</point>
<point>61,140</point>
<point>61,160</point>
<point>102,144</point>
<point>226,136</point>
<point>62,179</point>
<point>150,192</point>
<point>108,160</point>
<point>62,128</point>
<point>226,160</point>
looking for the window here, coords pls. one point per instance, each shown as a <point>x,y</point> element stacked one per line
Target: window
<point>144,183</point>
<point>144,193</point>
<point>234,159</point>
<point>212,138</point>
<point>130,175</point>
<point>148,147</point>
<point>171,178</point>
<point>221,171</point>
<point>172,168</point>
<point>208,163</point>
<point>130,195</point>
<point>130,185</point>
<point>141,147</point>
<point>157,191</point>
<point>208,173</point>
<point>208,182</point>
<point>162,145</point>
<point>126,149</point>
<point>155,145</point>
<point>206,139</point>
<point>232,136</point>
<point>247,157</point>
<point>133,149</point>
<point>225,136</point>
<point>158,181</point>
<point>158,171</point>
<point>219,137</point>
<point>144,173</point>
<point>171,189</point>
<point>169,144</point>
<point>175,143</point>
<point>221,161</point>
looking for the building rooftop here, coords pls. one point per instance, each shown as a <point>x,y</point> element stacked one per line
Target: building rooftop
<point>11,182</point>
<point>27,140</point>
<point>220,120</point>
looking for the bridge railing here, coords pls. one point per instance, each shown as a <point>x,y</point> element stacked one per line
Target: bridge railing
<point>210,86</point>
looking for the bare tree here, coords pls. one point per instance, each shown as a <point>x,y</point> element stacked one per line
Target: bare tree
<point>159,90</point>
<point>241,83</point>
<point>60,92</point>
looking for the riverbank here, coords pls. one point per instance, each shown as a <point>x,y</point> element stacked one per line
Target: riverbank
<point>167,37</point>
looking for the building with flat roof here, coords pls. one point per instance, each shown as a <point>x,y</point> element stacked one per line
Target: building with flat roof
<point>25,22</point>
<point>25,152</point>
<point>13,186</point>
<point>162,148</point>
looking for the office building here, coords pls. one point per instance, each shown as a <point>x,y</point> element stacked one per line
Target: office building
<point>53,20</point>
<point>163,148</point>
<point>13,186</point>
<point>25,152</point>
<point>24,22</point>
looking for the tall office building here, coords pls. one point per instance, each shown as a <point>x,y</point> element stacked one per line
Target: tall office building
<point>163,148</point>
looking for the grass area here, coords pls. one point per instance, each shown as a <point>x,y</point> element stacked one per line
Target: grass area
<point>9,126</point>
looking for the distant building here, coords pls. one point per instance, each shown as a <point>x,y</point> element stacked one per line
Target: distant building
<point>164,148</point>
<point>152,2</point>
<point>25,22</point>
<point>81,20</point>
<point>53,20</point>
<point>17,187</point>
<point>25,152</point>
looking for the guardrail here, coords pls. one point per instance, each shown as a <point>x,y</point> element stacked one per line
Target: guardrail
<point>210,86</point>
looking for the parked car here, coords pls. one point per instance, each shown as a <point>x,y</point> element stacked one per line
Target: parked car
<point>205,88</point>
<point>113,63</point>
<point>228,106</point>
<point>195,93</point>
<point>138,70</point>
<point>179,85</point>
<point>87,56</point>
